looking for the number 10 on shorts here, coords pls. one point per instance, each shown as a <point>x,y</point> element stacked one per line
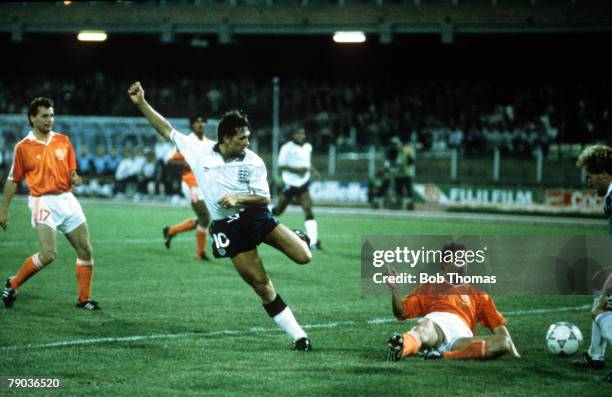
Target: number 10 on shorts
<point>221,240</point>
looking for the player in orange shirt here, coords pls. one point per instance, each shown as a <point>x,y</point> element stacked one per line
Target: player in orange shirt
<point>47,162</point>
<point>450,314</point>
<point>191,191</point>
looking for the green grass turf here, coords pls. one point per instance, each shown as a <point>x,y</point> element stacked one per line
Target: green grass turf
<point>148,290</point>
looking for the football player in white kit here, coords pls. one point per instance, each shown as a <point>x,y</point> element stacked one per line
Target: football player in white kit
<point>295,164</point>
<point>192,191</point>
<point>601,330</point>
<point>236,194</point>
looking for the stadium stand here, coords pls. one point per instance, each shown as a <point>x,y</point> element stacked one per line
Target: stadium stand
<point>472,115</point>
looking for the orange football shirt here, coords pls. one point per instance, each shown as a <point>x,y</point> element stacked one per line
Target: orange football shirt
<point>469,303</point>
<point>46,167</point>
<point>188,176</point>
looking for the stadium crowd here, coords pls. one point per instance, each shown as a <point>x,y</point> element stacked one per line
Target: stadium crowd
<point>471,116</point>
<point>134,171</point>
<point>433,116</point>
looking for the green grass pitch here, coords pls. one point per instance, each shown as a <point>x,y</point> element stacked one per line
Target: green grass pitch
<point>194,328</point>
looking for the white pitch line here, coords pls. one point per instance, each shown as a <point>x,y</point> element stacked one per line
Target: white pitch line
<point>335,324</point>
<point>551,220</point>
<point>539,311</point>
<point>101,241</point>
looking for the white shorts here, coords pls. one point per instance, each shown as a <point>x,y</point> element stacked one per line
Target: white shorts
<point>452,327</point>
<point>194,194</point>
<point>61,212</point>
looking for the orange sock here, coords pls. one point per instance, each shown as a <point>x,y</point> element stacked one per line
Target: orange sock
<point>84,274</point>
<point>201,244</point>
<point>184,226</point>
<point>30,267</point>
<point>475,350</point>
<point>411,345</point>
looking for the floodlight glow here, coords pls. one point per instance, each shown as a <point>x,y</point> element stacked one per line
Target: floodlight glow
<point>92,36</point>
<point>349,37</point>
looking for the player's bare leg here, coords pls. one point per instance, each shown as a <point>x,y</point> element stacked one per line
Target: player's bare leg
<point>425,334</point>
<point>199,207</point>
<point>310,224</point>
<point>281,204</point>
<point>79,239</point>
<point>169,232</point>
<point>250,267</point>
<point>285,240</point>
<point>48,243</point>
<point>33,264</point>
<point>305,202</point>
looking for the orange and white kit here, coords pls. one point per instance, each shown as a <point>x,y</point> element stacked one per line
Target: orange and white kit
<point>46,168</point>
<point>189,185</point>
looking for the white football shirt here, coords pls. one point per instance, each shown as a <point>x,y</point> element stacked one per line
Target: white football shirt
<point>297,156</point>
<point>216,178</point>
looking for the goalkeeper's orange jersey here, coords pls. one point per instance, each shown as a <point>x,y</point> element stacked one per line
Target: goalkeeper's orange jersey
<point>469,303</point>
<point>188,176</point>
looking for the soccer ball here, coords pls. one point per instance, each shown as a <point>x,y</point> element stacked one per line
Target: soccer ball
<point>563,338</point>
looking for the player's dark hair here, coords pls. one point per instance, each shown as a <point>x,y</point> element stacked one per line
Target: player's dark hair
<point>596,159</point>
<point>194,117</point>
<point>230,123</point>
<point>35,104</point>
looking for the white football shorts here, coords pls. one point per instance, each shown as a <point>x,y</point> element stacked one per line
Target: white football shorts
<point>452,327</point>
<point>61,212</point>
<point>194,194</point>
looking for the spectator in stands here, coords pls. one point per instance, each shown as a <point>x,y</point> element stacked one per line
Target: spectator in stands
<point>534,139</point>
<point>493,136</point>
<point>455,139</point>
<point>368,109</point>
<point>100,184</point>
<point>506,139</point>
<point>399,166</point>
<point>85,161</point>
<point>520,144</point>
<point>3,163</point>
<point>85,169</point>
<point>112,163</point>
<point>139,160</point>
<point>126,176</point>
<point>163,152</point>
<point>100,161</point>
<point>6,157</point>
<point>474,140</point>
<point>378,186</point>
<point>214,98</point>
<point>148,173</point>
